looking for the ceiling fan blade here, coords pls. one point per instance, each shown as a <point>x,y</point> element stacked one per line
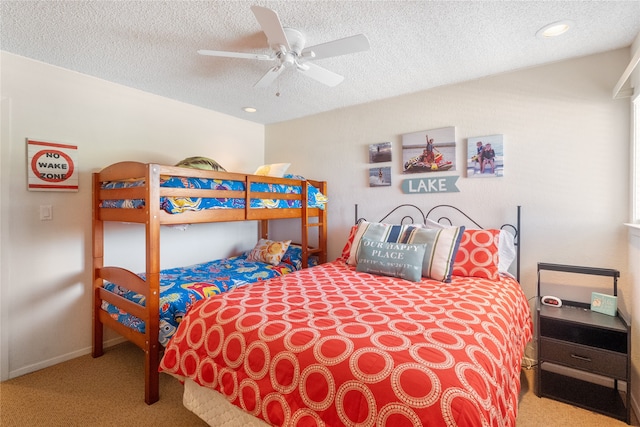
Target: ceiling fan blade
<point>352,44</point>
<point>270,76</point>
<point>270,23</point>
<point>223,53</point>
<point>321,74</point>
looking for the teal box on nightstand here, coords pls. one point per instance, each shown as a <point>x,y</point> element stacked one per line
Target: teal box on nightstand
<point>603,303</point>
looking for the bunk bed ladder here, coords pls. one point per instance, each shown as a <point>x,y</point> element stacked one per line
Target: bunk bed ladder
<point>320,223</point>
<point>305,224</point>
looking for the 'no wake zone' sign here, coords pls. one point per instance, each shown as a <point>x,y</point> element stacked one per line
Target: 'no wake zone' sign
<point>52,166</point>
<point>442,184</point>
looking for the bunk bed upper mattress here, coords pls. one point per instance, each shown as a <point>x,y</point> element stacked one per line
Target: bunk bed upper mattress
<point>175,205</point>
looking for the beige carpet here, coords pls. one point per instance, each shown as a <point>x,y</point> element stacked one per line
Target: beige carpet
<point>108,391</point>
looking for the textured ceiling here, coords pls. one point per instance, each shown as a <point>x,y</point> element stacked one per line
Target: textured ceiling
<point>415,45</point>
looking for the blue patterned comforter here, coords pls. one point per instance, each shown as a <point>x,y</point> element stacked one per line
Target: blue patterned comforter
<point>183,286</point>
<point>180,204</point>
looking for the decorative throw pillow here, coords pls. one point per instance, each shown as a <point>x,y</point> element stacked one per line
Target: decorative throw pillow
<point>274,169</point>
<point>478,254</point>
<point>442,247</point>
<point>391,259</point>
<point>199,162</point>
<point>440,253</point>
<point>269,251</point>
<point>380,232</point>
<point>346,251</point>
<point>506,247</point>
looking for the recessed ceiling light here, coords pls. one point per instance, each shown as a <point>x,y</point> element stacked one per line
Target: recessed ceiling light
<point>249,109</point>
<point>555,29</point>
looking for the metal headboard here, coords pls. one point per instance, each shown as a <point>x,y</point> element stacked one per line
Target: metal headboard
<point>406,219</point>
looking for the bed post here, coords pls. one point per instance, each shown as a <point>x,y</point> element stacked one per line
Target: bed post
<point>304,223</point>
<point>263,231</point>
<point>97,238</point>
<point>152,327</point>
<point>519,224</point>
<point>323,227</point>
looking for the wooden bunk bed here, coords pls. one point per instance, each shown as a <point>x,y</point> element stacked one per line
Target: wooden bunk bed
<point>149,191</point>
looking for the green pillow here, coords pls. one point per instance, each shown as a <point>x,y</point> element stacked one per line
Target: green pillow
<point>391,259</point>
<point>442,245</point>
<point>199,162</point>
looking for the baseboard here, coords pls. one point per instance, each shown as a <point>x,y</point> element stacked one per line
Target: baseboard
<point>59,359</point>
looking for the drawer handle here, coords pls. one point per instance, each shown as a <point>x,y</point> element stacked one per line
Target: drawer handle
<point>583,358</point>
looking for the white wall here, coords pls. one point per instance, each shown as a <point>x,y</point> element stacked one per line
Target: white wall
<point>566,147</point>
<point>566,155</point>
<point>45,281</point>
<point>634,254</point>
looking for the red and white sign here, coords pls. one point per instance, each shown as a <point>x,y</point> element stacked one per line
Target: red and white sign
<point>52,166</point>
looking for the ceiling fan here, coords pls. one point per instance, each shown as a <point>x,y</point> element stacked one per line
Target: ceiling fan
<point>288,49</point>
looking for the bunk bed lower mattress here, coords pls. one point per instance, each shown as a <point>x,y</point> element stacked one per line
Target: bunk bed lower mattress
<point>333,346</point>
<point>181,287</point>
<point>176,205</point>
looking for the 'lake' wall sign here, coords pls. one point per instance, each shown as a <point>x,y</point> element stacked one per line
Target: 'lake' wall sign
<point>441,184</point>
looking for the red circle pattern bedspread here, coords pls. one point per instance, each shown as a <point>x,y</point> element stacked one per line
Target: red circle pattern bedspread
<point>328,346</point>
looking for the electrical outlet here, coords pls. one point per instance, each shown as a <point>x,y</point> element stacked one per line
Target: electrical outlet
<point>46,213</point>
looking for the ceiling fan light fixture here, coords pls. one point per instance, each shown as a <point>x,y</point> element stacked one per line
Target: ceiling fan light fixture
<point>288,49</point>
<point>554,29</point>
<point>249,109</point>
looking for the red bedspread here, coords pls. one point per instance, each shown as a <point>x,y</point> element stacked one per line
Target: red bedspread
<point>331,346</point>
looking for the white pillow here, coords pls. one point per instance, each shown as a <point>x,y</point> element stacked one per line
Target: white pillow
<point>432,224</point>
<point>274,169</point>
<point>506,251</point>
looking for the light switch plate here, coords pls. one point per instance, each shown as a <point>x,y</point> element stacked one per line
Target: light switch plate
<point>46,213</point>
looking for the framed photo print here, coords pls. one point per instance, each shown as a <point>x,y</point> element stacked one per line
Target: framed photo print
<point>429,150</point>
<point>379,153</point>
<point>485,156</point>
<point>380,177</point>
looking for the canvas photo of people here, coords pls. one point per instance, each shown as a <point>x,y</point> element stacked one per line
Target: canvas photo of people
<point>429,151</point>
<point>485,156</point>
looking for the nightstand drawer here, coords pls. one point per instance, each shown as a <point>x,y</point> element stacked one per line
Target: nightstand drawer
<point>585,358</point>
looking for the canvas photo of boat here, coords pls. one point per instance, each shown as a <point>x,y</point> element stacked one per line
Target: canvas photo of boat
<point>485,156</point>
<point>429,150</point>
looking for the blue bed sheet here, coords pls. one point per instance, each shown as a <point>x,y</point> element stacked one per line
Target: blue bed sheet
<point>181,287</point>
<point>180,204</point>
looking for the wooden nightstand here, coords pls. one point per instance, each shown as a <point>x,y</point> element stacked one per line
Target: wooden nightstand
<point>593,346</point>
